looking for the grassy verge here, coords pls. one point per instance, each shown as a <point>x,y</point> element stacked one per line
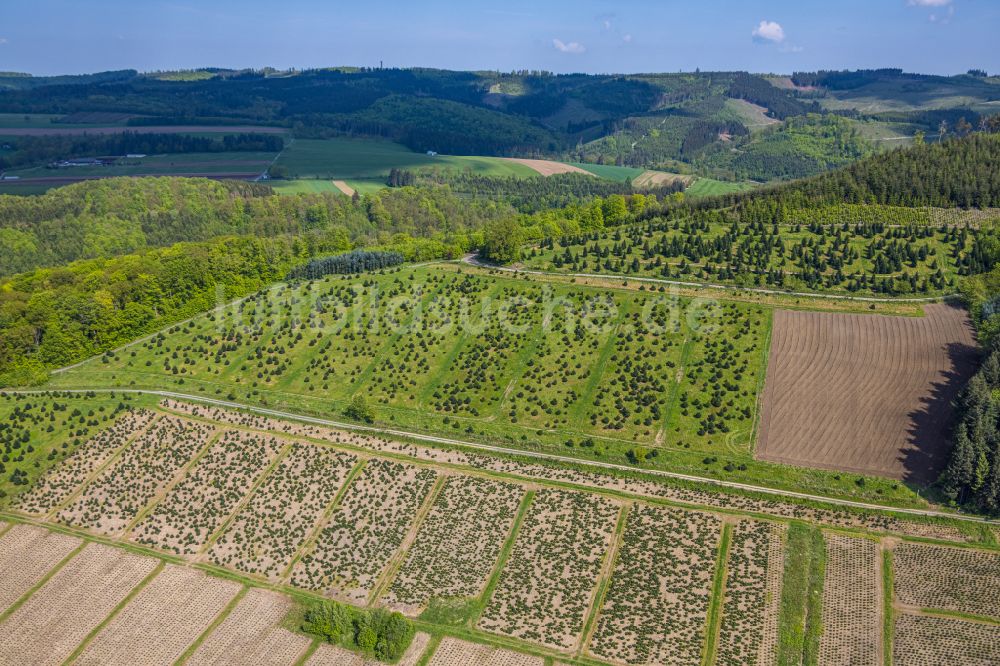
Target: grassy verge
<point>888,619</point>
<point>799,621</point>
<point>718,594</point>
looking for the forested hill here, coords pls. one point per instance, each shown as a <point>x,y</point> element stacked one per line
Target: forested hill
<point>112,217</point>
<point>962,171</point>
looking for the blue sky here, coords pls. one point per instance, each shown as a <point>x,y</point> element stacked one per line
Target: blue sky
<point>72,36</point>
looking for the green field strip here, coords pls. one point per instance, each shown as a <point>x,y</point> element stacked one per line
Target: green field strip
<point>578,411</point>
<point>178,476</point>
<point>814,613</point>
<point>607,571</point>
<point>223,614</point>
<point>797,626</point>
<point>100,469</point>
<point>888,609</point>
<point>117,609</point>
<point>214,536</point>
<point>317,529</point>
<point>670,413</point>
<point>714,619</point>
<point>959,615</point>
<point>396,561</point>
<point>6,528</point>
<point>505,552</point>
<point>758,403</point>
<point>41,582</point>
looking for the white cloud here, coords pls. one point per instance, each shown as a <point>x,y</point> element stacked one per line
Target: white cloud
<point>929,3</point>
<point>571,47</point>
<point>627,38</point>
<point>769,31</point>
<point>3,40</point>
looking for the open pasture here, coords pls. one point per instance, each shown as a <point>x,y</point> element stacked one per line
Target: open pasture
<point>351,159</point>
<point>865,393</point>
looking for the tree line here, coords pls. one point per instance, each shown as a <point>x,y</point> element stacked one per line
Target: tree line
<point>356,261</point>
<point>37,150</point>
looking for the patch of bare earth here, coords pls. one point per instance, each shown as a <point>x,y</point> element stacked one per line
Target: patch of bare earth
<point>344,187</point>
<point>26,554</point>
<point>454,652</point>
<point>852,602</point>
<point>547,167</point>
<point>251,634</point>
<point>868,394</point>
<point>49,626</point>
<point>167,616</point>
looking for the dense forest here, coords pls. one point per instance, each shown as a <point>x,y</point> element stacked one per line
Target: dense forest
<point>37,150</point>
<point>106,218</point>
<point>972,476</point>
<point>961,171</point>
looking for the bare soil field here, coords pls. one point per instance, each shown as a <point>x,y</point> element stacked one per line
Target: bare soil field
<point>344,187</point>
<point>547,167</point>
<point>49,626</point>
<point>142,129</point>
<point>251,634</point>
<point>162,620</point>
<point>454,652</point>
<point>932,641</point>
<point>651,179</point>
<point>868,394</point>
<point>852,603</point>
<point>26,555</point>
<point>955,579</point>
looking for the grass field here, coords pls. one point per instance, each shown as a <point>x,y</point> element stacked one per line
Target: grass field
<point>611,172</point>
<point>706,187</point>
<point>354,159</point>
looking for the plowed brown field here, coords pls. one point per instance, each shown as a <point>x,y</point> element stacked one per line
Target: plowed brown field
<point>865,393</point>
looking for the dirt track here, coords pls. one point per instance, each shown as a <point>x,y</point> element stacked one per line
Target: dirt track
<point>865,393</point>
